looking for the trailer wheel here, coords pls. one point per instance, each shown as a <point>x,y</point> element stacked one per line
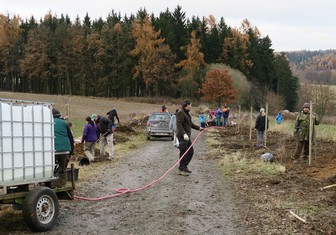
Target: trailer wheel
<point>40,209</point>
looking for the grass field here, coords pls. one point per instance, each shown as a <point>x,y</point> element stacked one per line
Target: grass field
<point>81,107</point>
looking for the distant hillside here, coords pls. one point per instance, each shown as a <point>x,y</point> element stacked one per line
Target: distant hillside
<point>315,66</point>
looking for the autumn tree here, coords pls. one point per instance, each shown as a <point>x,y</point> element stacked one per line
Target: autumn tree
<point>35,65</point>
<point>9,50</point>
<point>190,78</point>
<point>235,52</point>
<point>156,62</point>
<point>240,83</point>
<point>218,87</point>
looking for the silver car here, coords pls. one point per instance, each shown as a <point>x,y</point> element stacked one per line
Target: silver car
<point>158,125</point>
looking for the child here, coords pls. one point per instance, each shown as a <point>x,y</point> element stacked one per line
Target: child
<point>202,120</point>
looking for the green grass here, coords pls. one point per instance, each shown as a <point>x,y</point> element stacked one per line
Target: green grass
<point>323,131</point>
<point>326,132</point>
<point>237,163</point>
<point>135,142</point>
<point>78,127</point>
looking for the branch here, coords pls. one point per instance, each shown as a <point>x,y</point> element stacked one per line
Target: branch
<point>298,217</point>
<point>329,186</point>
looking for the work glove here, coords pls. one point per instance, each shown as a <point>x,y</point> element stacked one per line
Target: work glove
<point>186,137</point>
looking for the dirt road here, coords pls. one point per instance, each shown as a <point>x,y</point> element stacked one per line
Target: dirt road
<point>200,203</point>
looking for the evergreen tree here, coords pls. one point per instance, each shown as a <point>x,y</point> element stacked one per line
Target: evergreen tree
<point>180,32</point>
<point>287,84</point>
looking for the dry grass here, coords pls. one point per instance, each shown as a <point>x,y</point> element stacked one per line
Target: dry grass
<point>240,165</point>
<point>81,107</point>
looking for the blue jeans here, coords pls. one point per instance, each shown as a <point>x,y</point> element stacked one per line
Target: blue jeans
<point>218,123</point>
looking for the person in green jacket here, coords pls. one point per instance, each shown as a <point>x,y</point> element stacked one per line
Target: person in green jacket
<point>301,132</point>
<point>63,142</point>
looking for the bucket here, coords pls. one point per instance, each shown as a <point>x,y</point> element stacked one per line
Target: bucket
<point>267,157</point>
<point>84,162</point>
<point>76,171</point>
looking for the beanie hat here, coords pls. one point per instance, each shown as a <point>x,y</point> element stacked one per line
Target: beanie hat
<point>94,116</point>
<point>56,113</point>
<point>306,105</point>
<point>186,103</point>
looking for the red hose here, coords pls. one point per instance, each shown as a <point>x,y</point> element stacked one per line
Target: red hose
<point>121,191</point>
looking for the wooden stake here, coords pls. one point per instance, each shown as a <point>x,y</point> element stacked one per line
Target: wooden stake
<point>298,217</point>
<point>251,124</point>
<point>329,186</point>
<point>266,123</point>
<point>311,127</point>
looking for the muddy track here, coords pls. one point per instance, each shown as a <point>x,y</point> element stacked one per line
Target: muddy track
<point>201,203</point>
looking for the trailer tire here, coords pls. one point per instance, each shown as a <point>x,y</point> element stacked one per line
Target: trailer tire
<point>40,209</point>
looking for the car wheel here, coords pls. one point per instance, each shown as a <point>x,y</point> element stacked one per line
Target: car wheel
<point>40,209</point>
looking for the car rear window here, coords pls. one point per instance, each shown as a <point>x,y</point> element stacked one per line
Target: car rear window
<point>159,117</point>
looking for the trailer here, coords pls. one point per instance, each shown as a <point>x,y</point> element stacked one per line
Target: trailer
<point>27,162</point>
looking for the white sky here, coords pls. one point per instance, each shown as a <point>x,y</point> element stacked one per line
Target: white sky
<point>290,24</point>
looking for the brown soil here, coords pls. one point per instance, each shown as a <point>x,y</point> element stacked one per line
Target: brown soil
<point>298,189</point>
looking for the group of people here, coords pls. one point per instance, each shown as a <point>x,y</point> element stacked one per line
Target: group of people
<point>301,133</point>
<point>222,113</point>
<point>218,114</point>
<point>100,129</point>
<point>97,129</point>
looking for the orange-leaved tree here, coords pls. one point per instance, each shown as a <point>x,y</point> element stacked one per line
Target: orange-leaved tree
<point>218,87</point>
<point>191,67</point>
<point>156,61</point>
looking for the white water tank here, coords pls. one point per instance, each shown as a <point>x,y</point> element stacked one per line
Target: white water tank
<point>26,142</point>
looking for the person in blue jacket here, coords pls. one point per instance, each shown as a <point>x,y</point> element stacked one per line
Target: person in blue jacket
<point>202,119</point>
<point>278,118</point>
<point>219,115</point>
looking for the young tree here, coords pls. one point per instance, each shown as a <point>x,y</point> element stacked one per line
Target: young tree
<point>219,87</point>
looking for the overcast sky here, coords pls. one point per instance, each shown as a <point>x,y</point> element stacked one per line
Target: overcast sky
<point>291,24</point>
